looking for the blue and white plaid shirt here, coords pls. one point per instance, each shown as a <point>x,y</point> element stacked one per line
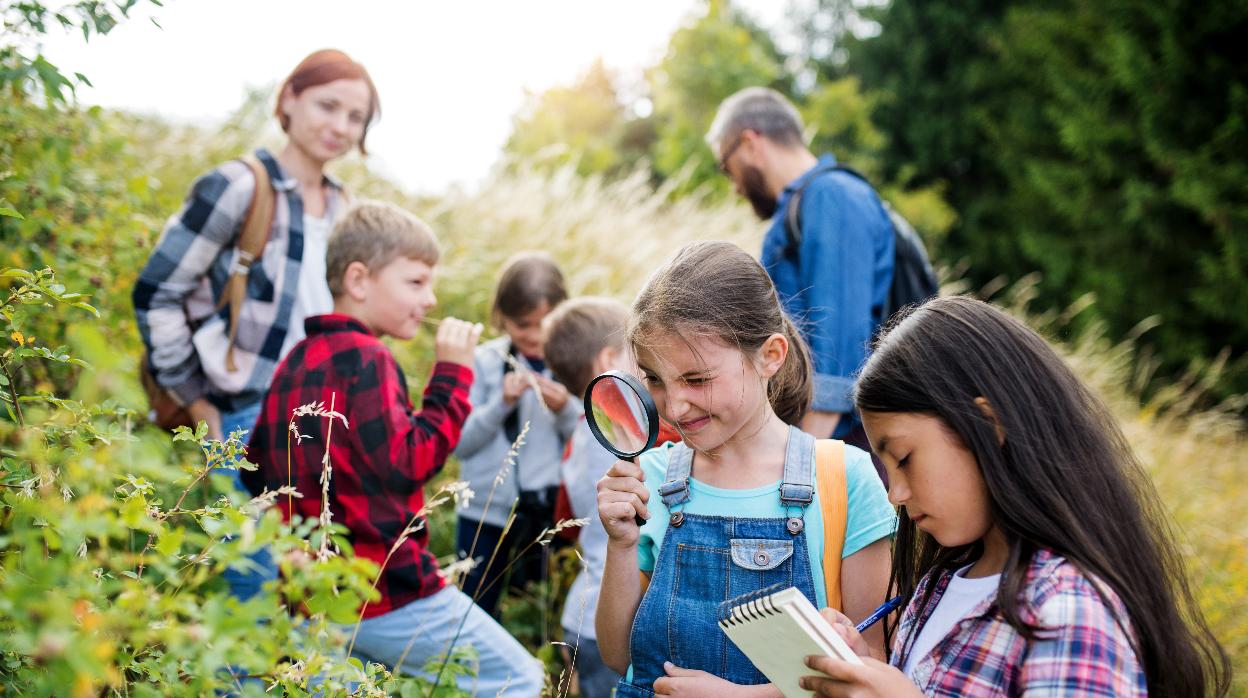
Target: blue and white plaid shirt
<point>175,298</point>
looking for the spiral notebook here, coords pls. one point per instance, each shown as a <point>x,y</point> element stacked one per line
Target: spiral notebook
<point>777,630</point>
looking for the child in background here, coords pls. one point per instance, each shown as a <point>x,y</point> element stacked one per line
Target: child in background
<point>379,266</point>
<point>585,337</point>
<point>738,505</point>
<point>1033,548</point>
<point>513,388</point>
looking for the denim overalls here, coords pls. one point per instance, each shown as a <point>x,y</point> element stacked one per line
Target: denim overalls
<point>706,560</point>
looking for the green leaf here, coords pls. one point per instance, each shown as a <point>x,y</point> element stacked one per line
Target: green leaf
<point>10,213</point>
<point>133,510</point>
<point>170,541</point>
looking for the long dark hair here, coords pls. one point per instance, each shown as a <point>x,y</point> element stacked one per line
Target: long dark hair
<point>1065,479</point>
<point>716,289</point>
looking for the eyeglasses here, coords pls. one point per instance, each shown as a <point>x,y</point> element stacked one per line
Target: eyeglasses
<point>723,162</point>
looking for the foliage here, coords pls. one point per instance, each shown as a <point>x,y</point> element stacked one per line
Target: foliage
<point>1092,142</point>
<point>585,123</point>
<point>113,541</point>
<point>719,51</point>
<point>21,74</point>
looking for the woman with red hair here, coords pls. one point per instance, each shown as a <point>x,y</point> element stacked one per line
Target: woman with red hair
<point>216,358</point>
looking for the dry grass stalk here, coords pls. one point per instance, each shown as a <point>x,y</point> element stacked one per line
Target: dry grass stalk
<point>503,471</point>
<point>326,518</point>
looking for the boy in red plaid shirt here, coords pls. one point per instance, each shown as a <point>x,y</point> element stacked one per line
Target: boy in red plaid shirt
<point>379,266</point>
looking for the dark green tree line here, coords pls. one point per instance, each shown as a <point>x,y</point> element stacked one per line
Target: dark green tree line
<point>1101,144</point>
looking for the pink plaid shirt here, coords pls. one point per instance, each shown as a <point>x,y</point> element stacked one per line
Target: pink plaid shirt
<point>1083,652</point>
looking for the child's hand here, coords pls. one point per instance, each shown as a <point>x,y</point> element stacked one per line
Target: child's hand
<point>456,341</point>
<point>874,679</point>
<point>514,385</point>
<point>622,497</point>
<point>553,394</point>
<point>690,682</point>
<point>845,628</point>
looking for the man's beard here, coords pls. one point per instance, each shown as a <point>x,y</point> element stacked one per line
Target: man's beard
<point>755,191</point>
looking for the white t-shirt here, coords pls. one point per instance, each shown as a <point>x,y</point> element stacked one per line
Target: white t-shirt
<point>312,296</point>
<point>960,598</point>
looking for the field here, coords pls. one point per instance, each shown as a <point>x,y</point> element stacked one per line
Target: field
<point>130,632</point>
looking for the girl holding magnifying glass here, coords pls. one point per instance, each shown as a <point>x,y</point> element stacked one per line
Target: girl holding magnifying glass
<point>735,507</point>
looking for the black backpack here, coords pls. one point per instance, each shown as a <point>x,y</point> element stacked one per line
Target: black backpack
<point>913,278</point>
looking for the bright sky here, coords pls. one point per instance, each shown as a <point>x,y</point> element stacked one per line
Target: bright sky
<point>450,74</point>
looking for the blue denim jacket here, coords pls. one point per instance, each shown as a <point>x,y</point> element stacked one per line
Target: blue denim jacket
<point>836,286</point>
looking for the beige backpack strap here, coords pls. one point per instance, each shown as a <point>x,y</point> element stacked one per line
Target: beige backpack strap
<point>834,502</point>
<point>251,242</point>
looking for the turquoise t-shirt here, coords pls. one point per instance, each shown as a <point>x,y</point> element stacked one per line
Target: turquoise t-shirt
<point>870,516</point>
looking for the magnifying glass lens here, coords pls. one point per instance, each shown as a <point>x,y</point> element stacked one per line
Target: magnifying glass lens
<point>621,416</point>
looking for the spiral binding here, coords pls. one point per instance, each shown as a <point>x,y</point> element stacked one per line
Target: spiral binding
<point>753,605</point>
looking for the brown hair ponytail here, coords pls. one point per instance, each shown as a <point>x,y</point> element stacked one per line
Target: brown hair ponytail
<point>790,390</point>
<point>716,289</point>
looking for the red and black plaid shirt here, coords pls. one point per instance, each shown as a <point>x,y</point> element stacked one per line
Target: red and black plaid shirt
<point>380,462</point>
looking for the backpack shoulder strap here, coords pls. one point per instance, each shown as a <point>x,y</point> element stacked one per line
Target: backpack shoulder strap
<point>251,241</point>
<point>834,503</point>
<point>793,212</point>
<point>259,218</point>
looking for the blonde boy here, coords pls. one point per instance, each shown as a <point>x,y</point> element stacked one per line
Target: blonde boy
<point>379,266</point>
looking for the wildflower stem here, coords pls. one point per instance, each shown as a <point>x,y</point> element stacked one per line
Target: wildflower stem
<point>17,404</point>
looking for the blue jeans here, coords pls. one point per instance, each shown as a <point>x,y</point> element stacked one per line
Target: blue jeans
<point>593,677</point>
<point>424,629</point>
<point>246,578</point>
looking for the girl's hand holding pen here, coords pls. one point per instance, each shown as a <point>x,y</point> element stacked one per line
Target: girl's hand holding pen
<point>845,628</point>
<point>874,678</point>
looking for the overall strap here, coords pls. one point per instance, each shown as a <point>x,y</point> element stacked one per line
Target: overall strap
<point>675,487</point>
<point>798,488</point>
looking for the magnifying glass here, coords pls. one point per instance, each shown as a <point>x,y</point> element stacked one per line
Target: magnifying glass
<point>622,416</point>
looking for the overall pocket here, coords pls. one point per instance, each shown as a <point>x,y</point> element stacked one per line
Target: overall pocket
<point>757,563</point>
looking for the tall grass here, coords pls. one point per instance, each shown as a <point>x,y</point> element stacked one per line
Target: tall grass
<point>609,236</point>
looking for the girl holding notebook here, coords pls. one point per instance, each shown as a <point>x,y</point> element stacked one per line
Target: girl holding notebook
<point>744,502</point>
<point>1033,548</point>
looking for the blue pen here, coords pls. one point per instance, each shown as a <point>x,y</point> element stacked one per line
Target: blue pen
<point>887,608</point>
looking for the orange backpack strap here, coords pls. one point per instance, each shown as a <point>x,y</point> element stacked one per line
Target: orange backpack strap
<point>251,242</point>
<point>834,502</point>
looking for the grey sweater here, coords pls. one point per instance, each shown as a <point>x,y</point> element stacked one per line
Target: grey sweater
<point>483,446</point>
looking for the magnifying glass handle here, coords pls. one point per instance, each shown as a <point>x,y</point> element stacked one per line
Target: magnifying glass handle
<point>637,517</point>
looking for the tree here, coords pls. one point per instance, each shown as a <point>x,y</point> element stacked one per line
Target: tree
<point>706,61</point>
<point>584,123</point>
<point>1098,143</point>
